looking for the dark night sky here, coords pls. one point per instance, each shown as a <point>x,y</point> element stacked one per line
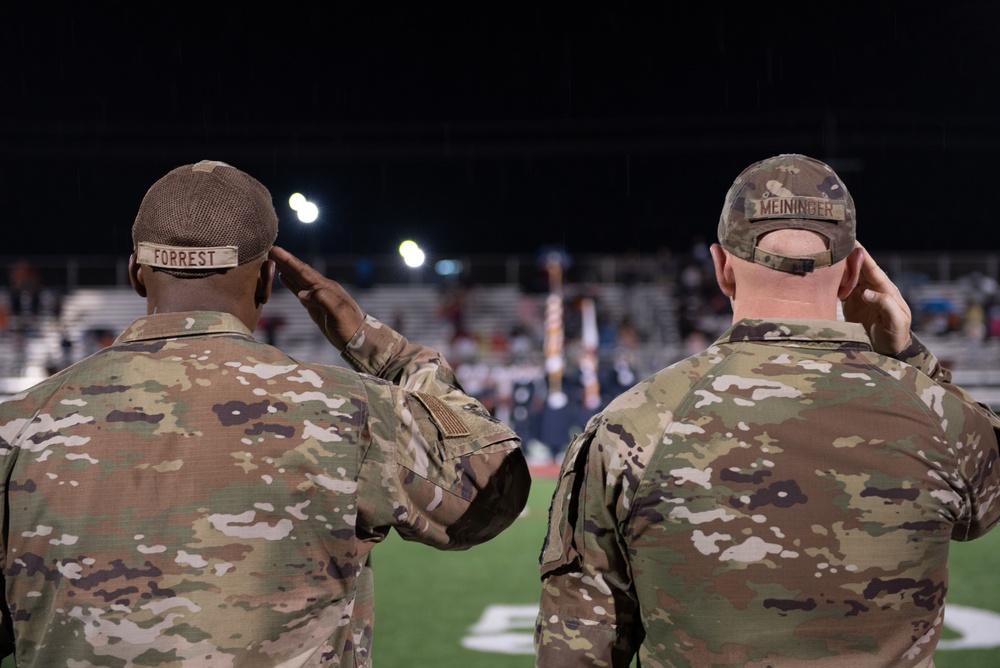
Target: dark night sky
<point>499,127</point>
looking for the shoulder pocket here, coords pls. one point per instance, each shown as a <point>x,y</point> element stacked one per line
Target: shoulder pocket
<point>451,447</point>
<point>560,548</point>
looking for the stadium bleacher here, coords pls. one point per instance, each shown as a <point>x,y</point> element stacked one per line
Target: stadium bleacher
<point>90,316</point>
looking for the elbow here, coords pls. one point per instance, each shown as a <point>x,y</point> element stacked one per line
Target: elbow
<point>497,503</point>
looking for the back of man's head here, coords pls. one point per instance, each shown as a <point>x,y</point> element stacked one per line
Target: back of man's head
<point>788,191</point>
<point>202,219</point>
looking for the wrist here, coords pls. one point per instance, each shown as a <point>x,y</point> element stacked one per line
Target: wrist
<point>912,348</point>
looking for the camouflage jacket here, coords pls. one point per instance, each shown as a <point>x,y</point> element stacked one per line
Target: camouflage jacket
<point>189,496</point>
<point>785,497</point>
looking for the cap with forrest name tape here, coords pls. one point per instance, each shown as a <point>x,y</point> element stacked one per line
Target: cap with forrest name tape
<point>202,218</point>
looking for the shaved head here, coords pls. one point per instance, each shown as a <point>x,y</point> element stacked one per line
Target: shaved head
<point>758,291</point>
<point>792,243</point>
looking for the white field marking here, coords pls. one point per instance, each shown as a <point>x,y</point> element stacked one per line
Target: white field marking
<point>980,629</point>
<point>509,629</point>
<point>504,629</point>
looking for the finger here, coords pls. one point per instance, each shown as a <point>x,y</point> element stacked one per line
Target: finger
<point>304,294</point>
<point>296,271</point>
<point>282,257</point>
<point>330,297</point>
<point>293,268</point>
<point>295,286</point>
<point>888,308</point>
<point>289,273</point>
<point>874,273</point>
<point>876,279</point>
<point>855,308</point>
<point>856,298</point>
<point>874,276</point>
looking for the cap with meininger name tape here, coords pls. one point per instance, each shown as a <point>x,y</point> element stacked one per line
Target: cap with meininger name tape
<point>788,191</point>
<point>203,218</point>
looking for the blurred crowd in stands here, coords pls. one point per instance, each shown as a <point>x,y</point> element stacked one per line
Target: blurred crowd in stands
<point>503,364</point>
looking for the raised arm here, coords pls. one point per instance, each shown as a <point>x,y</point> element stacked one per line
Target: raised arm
<point>439,467</point>
<point>878,305</point>
<point>973,427</point>
<point>374,349</point>
<point>330,306</point>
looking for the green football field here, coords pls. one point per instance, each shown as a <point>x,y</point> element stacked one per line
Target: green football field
<point>477,608</point>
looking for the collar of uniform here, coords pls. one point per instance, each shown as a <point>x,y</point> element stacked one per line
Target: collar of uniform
<point>184,323</point>
<point>805,330</point>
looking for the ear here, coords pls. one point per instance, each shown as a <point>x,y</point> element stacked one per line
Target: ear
<point>723,270</point>
<point>265,279</point>
<point>135,276</point>
<point>852,271</point>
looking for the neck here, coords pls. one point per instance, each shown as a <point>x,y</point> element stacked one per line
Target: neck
<point>784,307</point>
<point>227,293</point>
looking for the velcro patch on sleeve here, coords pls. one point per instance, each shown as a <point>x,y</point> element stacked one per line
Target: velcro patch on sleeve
<point>443,416</point>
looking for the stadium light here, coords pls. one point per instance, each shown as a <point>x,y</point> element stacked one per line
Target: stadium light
<point>306,211</point>
<point>411,253</point>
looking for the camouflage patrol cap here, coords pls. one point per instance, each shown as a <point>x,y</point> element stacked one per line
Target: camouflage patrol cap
<point>788,191</point>
<point>202,218</point>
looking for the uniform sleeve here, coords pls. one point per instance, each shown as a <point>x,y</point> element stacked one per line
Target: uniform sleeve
<point>6,625</point>
<point>439,468</point>
<point>919,356</point>
<point>973,430</point>
<point>916,354</point>
<point>588,614</point>
<point>7,457</point>
<point>16,414</point>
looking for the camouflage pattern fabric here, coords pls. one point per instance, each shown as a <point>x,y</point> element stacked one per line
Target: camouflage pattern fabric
<point>784,498</point>
<point>190,496</point>
<point>788,191</point>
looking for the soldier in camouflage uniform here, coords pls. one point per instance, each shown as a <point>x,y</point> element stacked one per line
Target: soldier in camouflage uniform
<point>787,496</point>
<point>190,496</point>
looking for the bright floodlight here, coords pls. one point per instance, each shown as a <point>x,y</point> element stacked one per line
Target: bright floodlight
<point>414,258</point>
<point>412,255</point>
<point>308,212</point>
<point>296,201</point>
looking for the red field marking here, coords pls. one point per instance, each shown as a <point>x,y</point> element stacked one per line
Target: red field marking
<point>544,470</point>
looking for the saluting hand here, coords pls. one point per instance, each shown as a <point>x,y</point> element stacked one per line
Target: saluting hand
<point>329,305</point>
<point>877,304</point>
